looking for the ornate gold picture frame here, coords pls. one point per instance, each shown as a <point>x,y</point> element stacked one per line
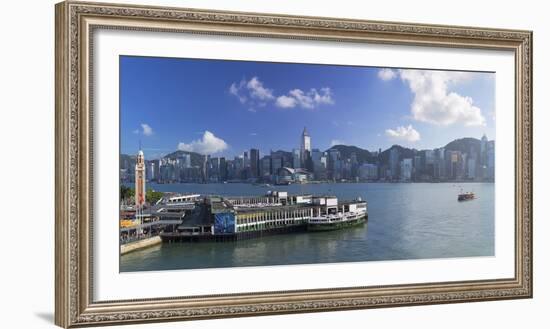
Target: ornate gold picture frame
<point>76,22</point>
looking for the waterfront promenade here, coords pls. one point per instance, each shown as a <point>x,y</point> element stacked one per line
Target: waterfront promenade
<point>406,221</point>
<point>214,218</point>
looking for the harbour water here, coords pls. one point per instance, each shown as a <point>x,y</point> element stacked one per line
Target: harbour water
<point>406,221</point>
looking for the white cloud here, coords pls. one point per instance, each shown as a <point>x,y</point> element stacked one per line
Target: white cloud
<point>386,74</point>
<point>309,100</point>
<point>325,97</point>
<point>257,89</point>
<point>254,94</point>
<point>435,103</point>
<point>401,133</point>
<point>146,129</point>
<point>209,144</point>
<point>253,134</point>
<point>336,142</point>
<point>235,89</point>
<point>285,102</point>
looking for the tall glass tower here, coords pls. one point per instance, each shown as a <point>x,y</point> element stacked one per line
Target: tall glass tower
<point>305,147</point>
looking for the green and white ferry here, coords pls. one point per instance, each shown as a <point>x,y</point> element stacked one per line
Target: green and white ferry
<point>333,215</point>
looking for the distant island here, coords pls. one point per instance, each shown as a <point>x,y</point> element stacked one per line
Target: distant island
<point>464,159</point>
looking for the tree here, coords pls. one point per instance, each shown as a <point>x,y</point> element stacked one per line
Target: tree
<point>153,196</point>
<point>126,192</point>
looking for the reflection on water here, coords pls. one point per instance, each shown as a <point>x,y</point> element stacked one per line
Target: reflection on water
<point>406,221</point>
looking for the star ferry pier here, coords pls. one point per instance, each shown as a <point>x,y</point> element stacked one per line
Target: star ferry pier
<point>217,218</point>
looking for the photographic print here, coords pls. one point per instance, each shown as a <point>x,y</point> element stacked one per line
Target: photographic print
<point>354,161</point>
<point>242,163</point>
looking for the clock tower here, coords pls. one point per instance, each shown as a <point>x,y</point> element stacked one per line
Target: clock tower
<point>140,180</point>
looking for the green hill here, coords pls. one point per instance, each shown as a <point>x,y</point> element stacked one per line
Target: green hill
<point>404,153</point>
<point>464,145</point>
<point>346,151</point>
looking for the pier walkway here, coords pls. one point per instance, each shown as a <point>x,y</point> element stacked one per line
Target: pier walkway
<point>149,224</point>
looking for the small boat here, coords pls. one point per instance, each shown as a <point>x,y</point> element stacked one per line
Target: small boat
<point>466,196</point>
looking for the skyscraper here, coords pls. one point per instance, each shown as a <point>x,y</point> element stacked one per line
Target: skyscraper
<point>246,160</point>
<point>255,162</point>
<point>305,148</point>
<point>418,166</point>
<point>140,180</point>
<point>296,158</point>
<point>186,161</point>
<point>265,166</point>
<point>472,166</point>
<point>150,172</point>
<point>223,169</point>
<point>394,162</point>
<point>204,170</point>
<point>334,164</point>
<point>406,169</point>
<point>483,150</point>
<point>276,161</point>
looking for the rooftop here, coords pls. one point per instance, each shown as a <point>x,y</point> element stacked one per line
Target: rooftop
<point>224,204</point>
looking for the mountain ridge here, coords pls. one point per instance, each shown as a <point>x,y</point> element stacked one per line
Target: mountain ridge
<point>465,145</point>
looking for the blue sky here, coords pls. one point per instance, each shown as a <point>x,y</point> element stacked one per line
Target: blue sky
<point>226,107</point>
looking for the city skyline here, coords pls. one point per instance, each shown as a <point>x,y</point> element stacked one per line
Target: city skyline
<point>465,159</point>
<point>297,147</point>
<point>223,108</point>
